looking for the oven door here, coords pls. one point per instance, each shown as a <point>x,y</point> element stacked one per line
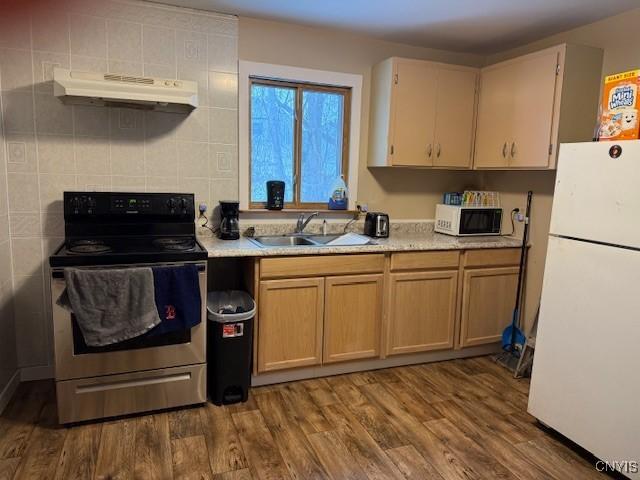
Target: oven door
<point>480,221</point>
<point>75,360</point>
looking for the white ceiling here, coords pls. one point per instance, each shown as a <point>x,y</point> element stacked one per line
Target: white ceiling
<point>475,26</point>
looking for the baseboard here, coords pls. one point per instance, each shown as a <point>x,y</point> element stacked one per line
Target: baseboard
<point>9,390</point>
<point>41,372</point>
<point>362,365</point>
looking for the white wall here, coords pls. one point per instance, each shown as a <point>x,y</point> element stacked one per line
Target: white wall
<point>52,147</point>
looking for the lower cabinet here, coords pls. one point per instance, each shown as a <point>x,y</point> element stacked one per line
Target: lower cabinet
<point>311,321</point>
<point>352,317</point>
<point>488,296</point>
<point>422,311</point>
<point>321,310</point>
<point>291,314</point>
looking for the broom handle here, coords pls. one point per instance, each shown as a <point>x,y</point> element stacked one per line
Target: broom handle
<point>523,253</point>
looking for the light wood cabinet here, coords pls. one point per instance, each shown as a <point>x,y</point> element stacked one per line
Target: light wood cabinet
<point>414,119</point>
<point>352,317</point>
<point>321,265</point>
<point>422,308</point>
<point>291,314</point>
<point>495,117</point>
<point>435,260</point>
<point>530,104</point>
<point>487,304</point>
<point>330,317</point>
<point>381,305</point>
<point>510,115</point>
<point>455,114</point>
<point>422,114</point>
<point>489,279</point>
<point>515,111</point>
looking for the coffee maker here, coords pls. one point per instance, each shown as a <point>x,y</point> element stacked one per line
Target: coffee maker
<point>229,225</point>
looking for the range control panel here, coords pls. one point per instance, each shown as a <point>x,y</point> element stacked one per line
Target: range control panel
<point>106,204</point>
<point>130,204</point>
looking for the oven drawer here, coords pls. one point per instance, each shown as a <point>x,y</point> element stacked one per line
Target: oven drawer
<point>99,397</point>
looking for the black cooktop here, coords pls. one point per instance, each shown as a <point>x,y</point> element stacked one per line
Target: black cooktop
<point>127,250</point>
<point>115,228</point>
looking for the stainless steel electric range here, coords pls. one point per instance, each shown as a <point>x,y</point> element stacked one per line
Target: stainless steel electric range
<point>109,230</point>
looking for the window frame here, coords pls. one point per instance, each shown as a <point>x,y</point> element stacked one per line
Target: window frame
<point>300,87</point>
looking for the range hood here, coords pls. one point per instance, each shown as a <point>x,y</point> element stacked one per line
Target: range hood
<point>109,89</point>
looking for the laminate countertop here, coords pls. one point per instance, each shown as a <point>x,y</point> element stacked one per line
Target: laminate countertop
<point>397,242</point>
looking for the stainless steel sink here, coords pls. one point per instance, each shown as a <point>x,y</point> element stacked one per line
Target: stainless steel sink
<point>293,240</point>
<point>322,239</point>
<point>282,241</point>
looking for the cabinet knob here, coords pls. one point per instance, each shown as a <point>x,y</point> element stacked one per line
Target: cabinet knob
<point>504,150</point>
<point>513,150</point>
<point>438,150</point>
<point>429,150</point>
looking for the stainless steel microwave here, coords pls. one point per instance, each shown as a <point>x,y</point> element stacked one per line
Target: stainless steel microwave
<point>467,221</point>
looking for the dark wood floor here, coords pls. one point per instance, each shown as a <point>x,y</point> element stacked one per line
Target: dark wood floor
<point>459,419</point>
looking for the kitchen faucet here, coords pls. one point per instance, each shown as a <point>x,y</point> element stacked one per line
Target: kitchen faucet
<point>302,223</point>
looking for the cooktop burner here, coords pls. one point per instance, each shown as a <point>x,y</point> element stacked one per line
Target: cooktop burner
<point>116,228</point>
<point>127,250</point>
<point>174,244</point>
<point>88,247</point>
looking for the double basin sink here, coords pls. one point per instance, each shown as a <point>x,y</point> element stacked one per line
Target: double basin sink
<point>294,240</point>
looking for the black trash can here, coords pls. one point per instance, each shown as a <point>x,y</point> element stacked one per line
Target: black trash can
<point>229,345</point>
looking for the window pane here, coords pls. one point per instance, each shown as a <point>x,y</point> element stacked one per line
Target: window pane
<point>272,139</point>
<point>322,121</point>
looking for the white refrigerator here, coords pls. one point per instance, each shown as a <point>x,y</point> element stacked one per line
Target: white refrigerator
<point>586,371</point>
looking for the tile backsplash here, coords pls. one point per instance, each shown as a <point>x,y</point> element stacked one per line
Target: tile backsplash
<point>49,147</point>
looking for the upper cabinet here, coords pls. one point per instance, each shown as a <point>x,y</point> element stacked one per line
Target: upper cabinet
<point>530,104</point>
<point>422,114</point>
<point>455,107</point>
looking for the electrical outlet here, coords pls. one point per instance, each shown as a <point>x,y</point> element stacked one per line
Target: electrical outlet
<point>363,207</point>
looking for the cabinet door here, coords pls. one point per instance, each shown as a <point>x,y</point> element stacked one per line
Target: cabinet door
<point>352,318</point>
<point>488,297</point>
<point>422,307</point>
<point>290,316</point>
<point>534,98</point>
<point>495,116</point>
<point>414,111</point>
<point>454,118</point>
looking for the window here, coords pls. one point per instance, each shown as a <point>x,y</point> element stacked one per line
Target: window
<point>299,133</point>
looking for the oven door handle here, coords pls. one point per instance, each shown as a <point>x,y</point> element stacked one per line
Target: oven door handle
<point>59,274</point>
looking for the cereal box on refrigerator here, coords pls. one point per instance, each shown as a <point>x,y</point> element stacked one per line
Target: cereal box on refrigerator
<point>619,117</point>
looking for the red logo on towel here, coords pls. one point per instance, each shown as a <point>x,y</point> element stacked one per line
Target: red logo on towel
<point>169,312</point>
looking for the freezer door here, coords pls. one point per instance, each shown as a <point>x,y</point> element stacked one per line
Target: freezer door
<point>585,371</point>
<point>597,197</point>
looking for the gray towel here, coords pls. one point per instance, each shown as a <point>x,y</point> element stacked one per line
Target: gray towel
<point>110,305</point>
